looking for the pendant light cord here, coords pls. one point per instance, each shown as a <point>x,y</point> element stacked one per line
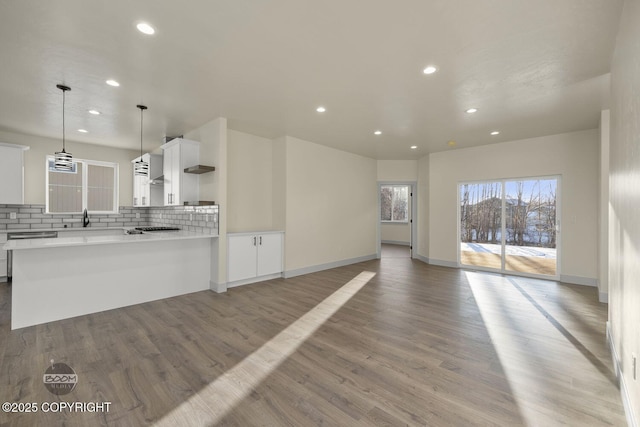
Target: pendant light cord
<point>141,118</point>
<point>63,129</point>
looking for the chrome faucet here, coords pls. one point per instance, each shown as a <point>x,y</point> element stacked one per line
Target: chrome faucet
<point>85,218</point>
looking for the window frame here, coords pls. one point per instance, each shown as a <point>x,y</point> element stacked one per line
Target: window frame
<point>503,182</point>
<point>85,185</point>
<point>408,214</point>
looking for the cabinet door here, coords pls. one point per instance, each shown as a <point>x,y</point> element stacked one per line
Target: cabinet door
<point>167,170</point>
<point>144,183</point>
<point>136,189</point>
<point>269,254</point>
<point>11,176</point>
<point>241,257</point>
<point>146,192</point>
<point>174,174</point>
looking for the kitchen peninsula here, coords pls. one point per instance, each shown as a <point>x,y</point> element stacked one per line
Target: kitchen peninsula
<point>59,278</point>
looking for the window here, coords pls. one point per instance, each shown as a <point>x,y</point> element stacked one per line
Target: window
<point>394,203</point>
<point>90,185</point>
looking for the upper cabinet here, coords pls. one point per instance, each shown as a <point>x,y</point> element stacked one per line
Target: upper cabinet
<point>180,187</point>
<point>12,174</point>
<point>147,191</point>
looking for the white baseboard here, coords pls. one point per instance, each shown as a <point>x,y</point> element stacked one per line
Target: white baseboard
<point>395,242</point>
<point>421,258</point>
<point>253,280</point>
<point>217,287</point>
<point>603,297</point>
<point>443,263</point>
<point>327,266</point>
<point>577,280</point>
<point>624,392</point>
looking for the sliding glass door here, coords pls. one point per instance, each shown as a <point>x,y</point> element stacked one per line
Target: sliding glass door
<point>481,224</point>
<point>510,225</point>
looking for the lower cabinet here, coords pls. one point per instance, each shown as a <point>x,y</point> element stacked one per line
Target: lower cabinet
<point>252,257</point>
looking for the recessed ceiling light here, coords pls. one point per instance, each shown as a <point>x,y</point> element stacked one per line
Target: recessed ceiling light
<point>495,132</point>
<point>413,147</point>
<point>145,28</point>
<point>113,83</point>
<point>430,70</point>
<point>83,131</point>
<point>321,109</point>
<point>472,110</point>
<point>451,143</point>
<point>378,132</point>
<point>94,112</point>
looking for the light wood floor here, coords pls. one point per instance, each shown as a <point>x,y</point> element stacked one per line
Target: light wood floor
<point>414,345</point>
<point>395,251</point>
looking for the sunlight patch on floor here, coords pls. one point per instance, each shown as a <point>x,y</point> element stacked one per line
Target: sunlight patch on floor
<point>217,399</point>
<point>530,369</point>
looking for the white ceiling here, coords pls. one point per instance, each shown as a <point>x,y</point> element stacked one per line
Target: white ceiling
<point>532,68</point>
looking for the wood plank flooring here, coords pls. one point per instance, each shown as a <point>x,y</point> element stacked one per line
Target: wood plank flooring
<point>415,345</point>
<point>394,251</point>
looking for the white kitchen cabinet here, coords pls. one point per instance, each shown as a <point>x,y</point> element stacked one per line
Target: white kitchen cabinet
<point>3,256</point>
<point>180,187</point>
<point>252,257</point>
<point>145,191</point>
<point>12,173</point>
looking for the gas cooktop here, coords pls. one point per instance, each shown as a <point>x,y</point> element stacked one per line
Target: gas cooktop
<point>158,228</point>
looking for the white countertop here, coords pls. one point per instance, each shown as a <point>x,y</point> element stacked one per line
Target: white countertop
<point>64,230</point>
<point>103,240</point>
<point>253,233</point>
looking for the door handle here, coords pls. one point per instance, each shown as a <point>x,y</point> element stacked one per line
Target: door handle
<point>260,240</point>
<point>254,240</point>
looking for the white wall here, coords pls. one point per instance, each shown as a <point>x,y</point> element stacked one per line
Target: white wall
<point>250,182</point>
<point>331,206</point>
<point>422,222</point>
<point>398,234</point>
<point>279,184</point>
<point>603,201</point>
<point>213,186</point>
<point>397,170</point>
<point>624,203</point>
<point>34,163</point>
<point>574,156</point>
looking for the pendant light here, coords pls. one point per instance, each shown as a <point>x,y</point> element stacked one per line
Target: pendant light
<point>64,160</point>
<point>141,168</point>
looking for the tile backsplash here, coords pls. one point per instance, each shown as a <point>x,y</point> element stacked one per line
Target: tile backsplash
<point>203,219</point>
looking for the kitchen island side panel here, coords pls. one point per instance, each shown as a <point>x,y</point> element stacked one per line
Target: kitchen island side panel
<point>51,284</point>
